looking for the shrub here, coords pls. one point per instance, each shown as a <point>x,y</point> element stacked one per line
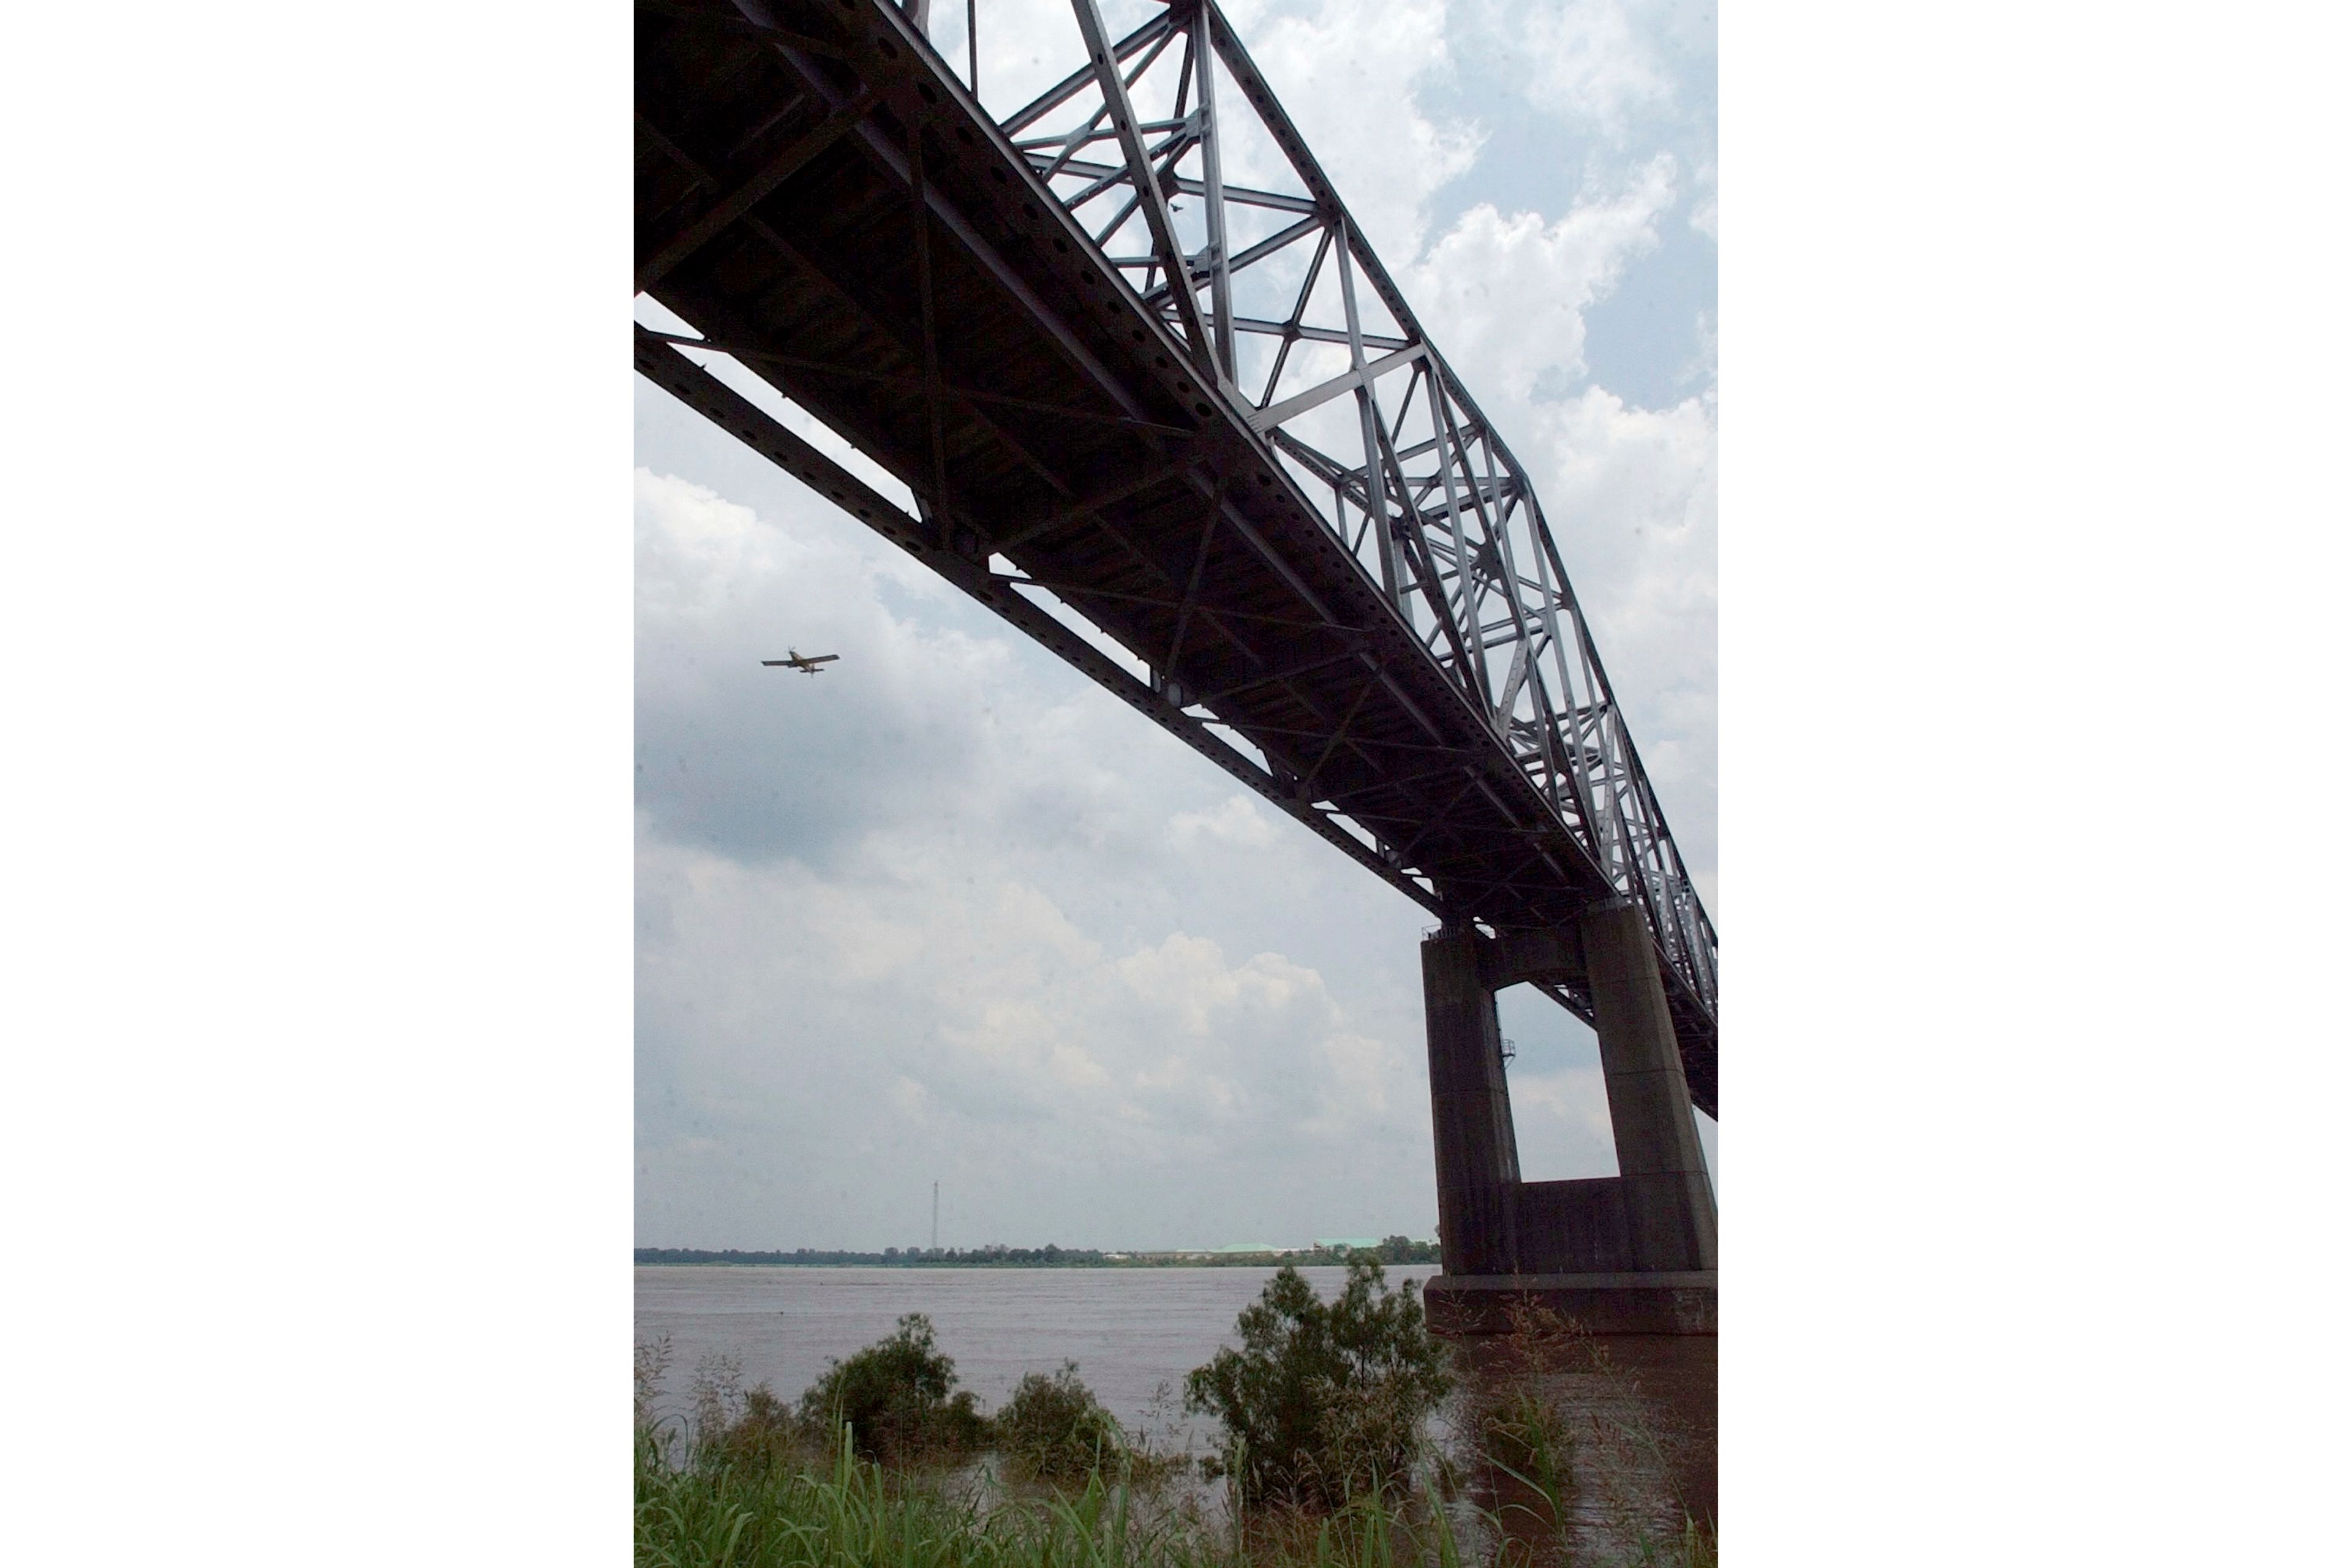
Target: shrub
<point>898,1399</point>
<point>1323,1403</point>
<point>1054,1429</point>
<point>763,1434</point>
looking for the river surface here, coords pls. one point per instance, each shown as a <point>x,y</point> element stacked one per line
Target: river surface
<point>1130,1330</point>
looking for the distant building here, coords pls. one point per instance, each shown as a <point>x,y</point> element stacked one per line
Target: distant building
<point>1250,1246</point>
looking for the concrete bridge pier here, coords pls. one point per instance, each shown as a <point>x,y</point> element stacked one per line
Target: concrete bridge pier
<point>1653,1219</point>
<point>1470,1105</point>
<point>1669,1202</point>
<point>1629,1261</point>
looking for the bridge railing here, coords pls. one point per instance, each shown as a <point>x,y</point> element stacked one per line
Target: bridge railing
<point>1171,149</point>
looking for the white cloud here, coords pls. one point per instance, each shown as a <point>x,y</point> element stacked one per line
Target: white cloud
<point>1346,74</point>
<point>749,758</point>
<point>1562,1117</point>
<point>1235,823</point>
<point>985,1040</point>
<point>1704,218</point>
<point>1504,296</point>
<point>1590,61</point>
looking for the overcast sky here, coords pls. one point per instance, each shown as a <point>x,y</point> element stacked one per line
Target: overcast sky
<point>952,912</point>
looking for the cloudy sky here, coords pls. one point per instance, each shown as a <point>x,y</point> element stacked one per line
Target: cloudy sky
<point>952,912</point>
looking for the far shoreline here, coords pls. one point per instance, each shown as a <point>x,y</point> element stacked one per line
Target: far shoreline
<point>1393,1252</point>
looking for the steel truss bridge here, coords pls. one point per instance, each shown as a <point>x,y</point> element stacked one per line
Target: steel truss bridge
<point>1161,408</point>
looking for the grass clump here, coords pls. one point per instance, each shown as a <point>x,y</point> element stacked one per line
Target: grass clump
<point>898,1399</point>
<point>1563,1448</point>
<point>1324,1403</point>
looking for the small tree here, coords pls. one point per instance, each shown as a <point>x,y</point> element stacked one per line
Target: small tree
<point>1054,1429</point>
<point>898,1399</point>
<point>1323,1402</point>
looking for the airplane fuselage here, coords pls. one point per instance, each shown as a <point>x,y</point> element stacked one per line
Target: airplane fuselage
<point>811,665</point>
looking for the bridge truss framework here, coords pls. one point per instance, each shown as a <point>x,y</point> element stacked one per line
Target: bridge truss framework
<point>1162,407</point>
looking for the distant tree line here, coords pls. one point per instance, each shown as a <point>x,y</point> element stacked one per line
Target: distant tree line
<point>1046,1256</point>
<point>1395,1249</point>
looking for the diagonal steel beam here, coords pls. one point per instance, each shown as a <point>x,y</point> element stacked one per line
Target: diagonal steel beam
<point>745,196</point>
<point>1363,695</point>
<point>807,268</point>
<point>1289,329</point>
<point>1287,673</point>
<point>930,332</point>
<point>1347,381</point>
<point>1203,57</point>
<point>1192,585</point>
<point>1091,502</point>
<point>976,247</point>
<point>1062,91</point>
<point>1147,185</point>
<point>1177,185</point>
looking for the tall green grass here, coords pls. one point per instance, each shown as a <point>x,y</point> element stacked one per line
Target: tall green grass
<point>854,1513</point>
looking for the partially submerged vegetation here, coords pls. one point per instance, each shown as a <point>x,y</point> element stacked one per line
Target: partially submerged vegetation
<point>1323,1402</point>
<point>895,1405</point>
<point>1054,1429</point>
<point>898,1400</point>
<point>1327,1454</point>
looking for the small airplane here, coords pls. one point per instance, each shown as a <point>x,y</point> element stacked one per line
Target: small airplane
<point>806,665</point>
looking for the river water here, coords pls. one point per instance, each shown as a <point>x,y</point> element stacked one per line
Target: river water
<point>1130,1330</point>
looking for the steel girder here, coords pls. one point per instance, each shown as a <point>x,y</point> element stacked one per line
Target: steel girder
<point>1299,356</point>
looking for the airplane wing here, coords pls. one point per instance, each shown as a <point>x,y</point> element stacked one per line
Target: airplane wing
<point>822,658</point>
<point>775,663</point>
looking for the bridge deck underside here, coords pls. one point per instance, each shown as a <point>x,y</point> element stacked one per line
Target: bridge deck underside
<point>918,291</point>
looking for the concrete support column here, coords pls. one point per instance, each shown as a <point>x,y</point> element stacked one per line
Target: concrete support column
<point>1669,1202</point>
<point>1470,1108</point>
